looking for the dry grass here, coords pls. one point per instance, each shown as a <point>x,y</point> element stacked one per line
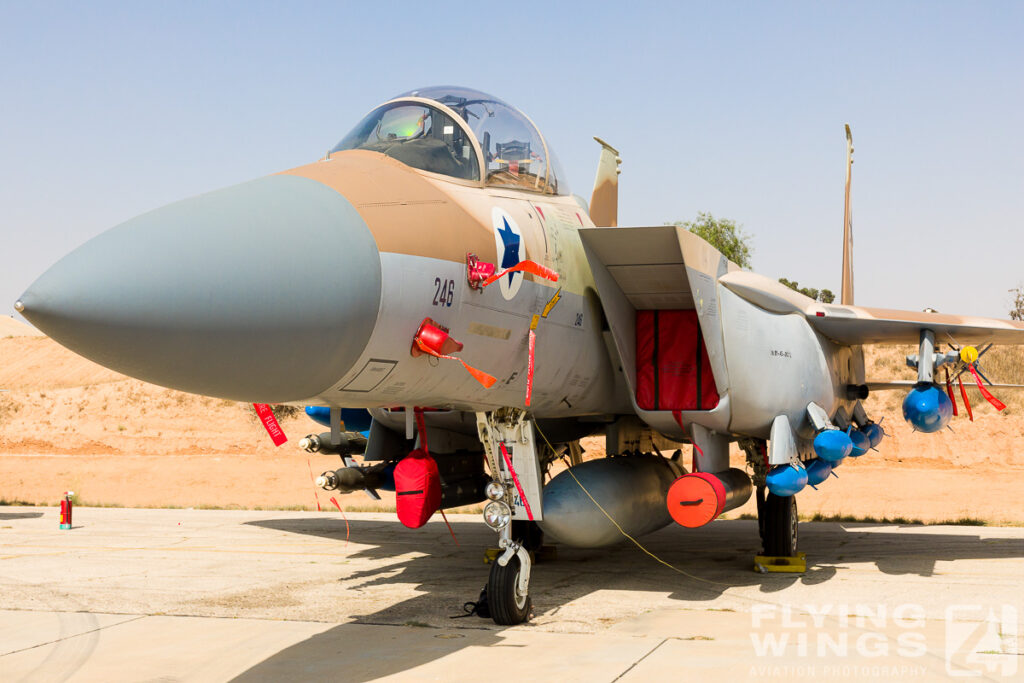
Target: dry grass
<point>1001,364</point>
<point>871,519</point>
<point>1004,364</point>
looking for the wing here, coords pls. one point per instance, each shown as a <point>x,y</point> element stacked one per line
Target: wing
<point>850,325</point>
<point>906,385</point>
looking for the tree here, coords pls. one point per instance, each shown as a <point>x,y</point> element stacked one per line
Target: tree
<point>825,296</point>
<point>1017,312</point>
<point>724,235</point>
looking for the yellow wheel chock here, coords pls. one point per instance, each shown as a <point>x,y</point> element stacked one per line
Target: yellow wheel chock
<point>792,565</point>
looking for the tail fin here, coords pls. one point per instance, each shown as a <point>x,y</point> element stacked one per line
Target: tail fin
<point>846,296</point>
<point>604,202</point>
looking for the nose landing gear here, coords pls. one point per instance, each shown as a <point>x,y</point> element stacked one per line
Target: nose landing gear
<point>514,509</point>
<point>508,586</point>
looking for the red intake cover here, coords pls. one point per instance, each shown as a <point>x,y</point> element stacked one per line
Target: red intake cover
<point>673,370</point>
<point>417,489</point>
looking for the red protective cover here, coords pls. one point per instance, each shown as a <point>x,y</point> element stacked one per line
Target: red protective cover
<point>673,371</point>
<point>417,489</point>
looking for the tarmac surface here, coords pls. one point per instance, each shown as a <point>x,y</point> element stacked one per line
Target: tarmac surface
<point>213,595</point>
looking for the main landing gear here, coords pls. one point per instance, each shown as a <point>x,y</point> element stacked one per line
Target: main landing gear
<point>777,521</point>
<point>776,515</point>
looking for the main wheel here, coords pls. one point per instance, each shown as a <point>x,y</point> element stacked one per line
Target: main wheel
<point>779,529</point>
<point>508,606</point>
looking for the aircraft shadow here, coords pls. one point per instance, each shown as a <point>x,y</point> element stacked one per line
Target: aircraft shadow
<point>20,515</point>
<point>714,559</point>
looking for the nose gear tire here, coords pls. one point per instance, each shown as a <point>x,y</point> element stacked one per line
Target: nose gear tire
<point>508,606</point>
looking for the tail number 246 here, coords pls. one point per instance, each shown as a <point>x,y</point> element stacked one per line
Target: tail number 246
<point>444,292</point>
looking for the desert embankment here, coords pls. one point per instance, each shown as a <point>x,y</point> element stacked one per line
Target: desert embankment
<point>67,423</point>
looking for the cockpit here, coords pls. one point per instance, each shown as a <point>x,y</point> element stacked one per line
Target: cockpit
<point>456,132</point>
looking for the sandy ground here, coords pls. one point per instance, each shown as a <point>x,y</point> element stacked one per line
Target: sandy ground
<point>69,424</point>
<point>12,327</point>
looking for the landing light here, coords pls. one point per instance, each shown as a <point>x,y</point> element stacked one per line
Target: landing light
<point>497,515</point>
<point>494,491</point>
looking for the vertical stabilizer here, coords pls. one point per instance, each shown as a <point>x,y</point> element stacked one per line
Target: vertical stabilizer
<point>846,296</point>
<point>604,203</point>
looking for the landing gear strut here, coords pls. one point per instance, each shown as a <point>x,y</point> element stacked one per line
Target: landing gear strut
<point>529,534</point>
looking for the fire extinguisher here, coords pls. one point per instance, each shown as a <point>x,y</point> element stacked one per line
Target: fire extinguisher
<point>65,510</point>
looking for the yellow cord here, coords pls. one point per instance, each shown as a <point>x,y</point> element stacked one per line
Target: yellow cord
<point>623,531</point>
<point>750,599</point>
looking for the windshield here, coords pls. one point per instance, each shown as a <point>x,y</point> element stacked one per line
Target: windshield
<point>418,135</point>
<point>515,154</point>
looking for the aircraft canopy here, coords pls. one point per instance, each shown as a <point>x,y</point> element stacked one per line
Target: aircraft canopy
<point>418,128</point>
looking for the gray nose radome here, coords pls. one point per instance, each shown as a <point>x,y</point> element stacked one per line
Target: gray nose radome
<point>267,291</point>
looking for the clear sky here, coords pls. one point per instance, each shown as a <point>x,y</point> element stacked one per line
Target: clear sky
<point>737,108</point>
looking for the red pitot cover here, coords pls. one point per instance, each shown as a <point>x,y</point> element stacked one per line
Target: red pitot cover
<point>417,489</point>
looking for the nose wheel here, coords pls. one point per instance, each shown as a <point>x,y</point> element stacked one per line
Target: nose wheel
<point>777,522</point>
<point>508,587</point>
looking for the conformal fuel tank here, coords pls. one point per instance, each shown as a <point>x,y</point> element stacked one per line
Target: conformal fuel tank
<point>632,489</point>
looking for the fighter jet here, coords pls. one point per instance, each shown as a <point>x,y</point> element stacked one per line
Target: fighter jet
<point>434,294</point>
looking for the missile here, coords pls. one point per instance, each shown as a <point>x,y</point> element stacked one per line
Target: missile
<point>349,479</point>
<point>352,443</point>
<point>699,498</point>
<point>631,489</point>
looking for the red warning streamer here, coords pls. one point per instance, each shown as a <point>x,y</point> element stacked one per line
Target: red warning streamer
<point>963,395</point>
<point>421,427</point>
<point>531,267</point>
<point>335,501</point>
<point>266,416</point>
<point>529,367</point>
<point>996,403</point>
<point>533,342</point>
<point>949,390</point>
<point>445,518</point>
<point>313,481</point>
<point>478,375</point>
<point>678,415</point>
<point>515,480</point>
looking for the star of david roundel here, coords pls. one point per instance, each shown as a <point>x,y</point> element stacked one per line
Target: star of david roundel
<point>509,241</point>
